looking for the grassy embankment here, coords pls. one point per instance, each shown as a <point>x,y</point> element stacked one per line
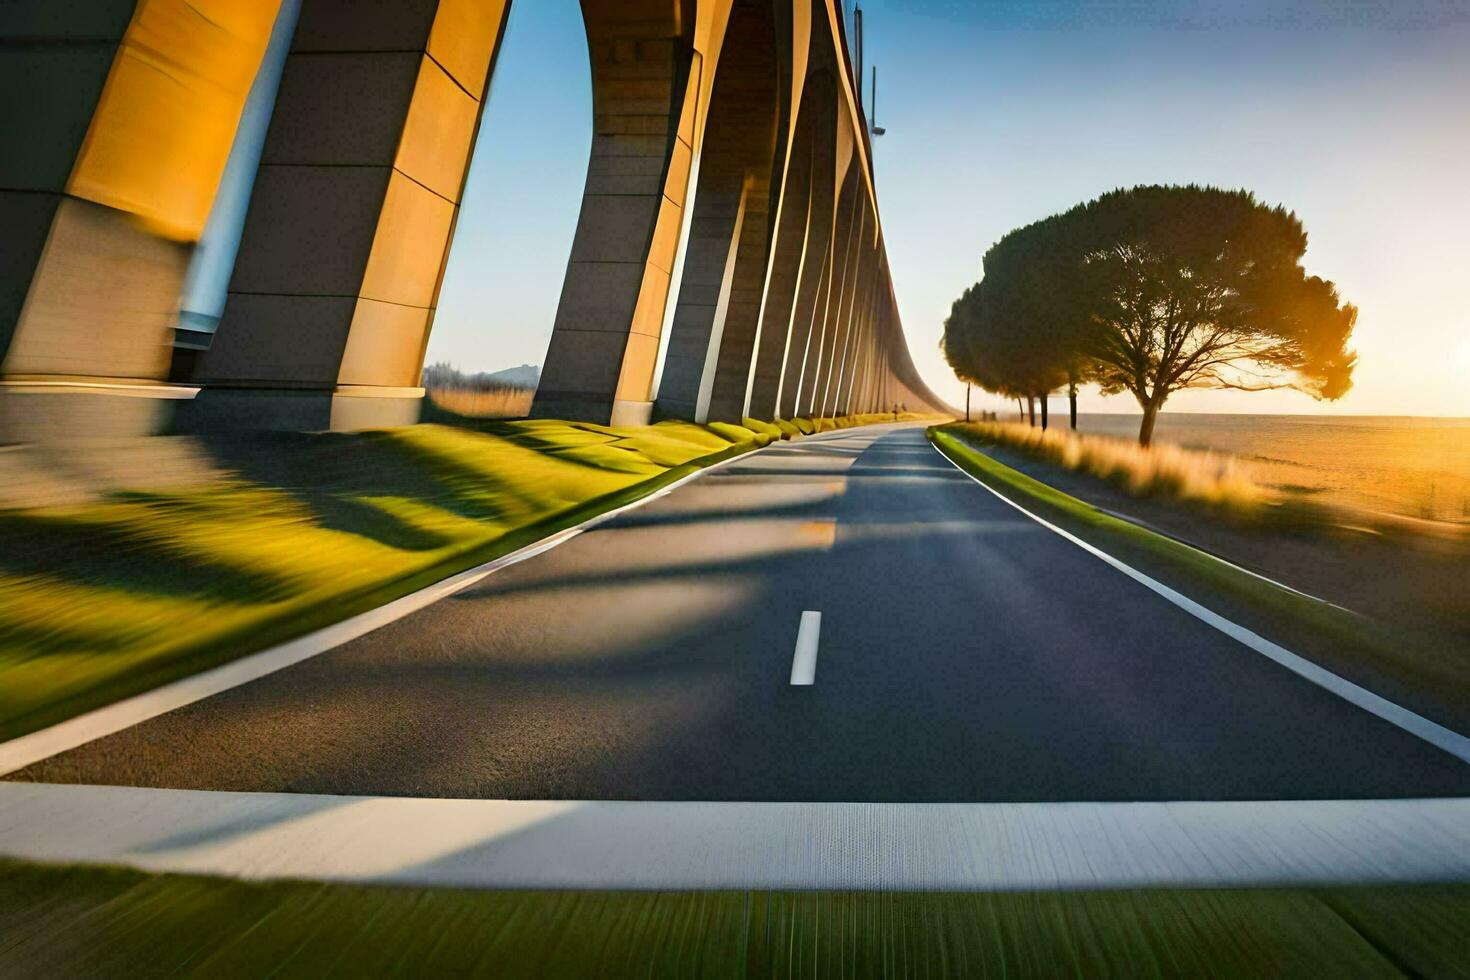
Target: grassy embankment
<point>1367,652</point>
<point>103,922</point>
<point>141,585</point>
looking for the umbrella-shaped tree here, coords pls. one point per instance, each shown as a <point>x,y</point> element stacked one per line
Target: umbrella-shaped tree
<point>1157,289</point>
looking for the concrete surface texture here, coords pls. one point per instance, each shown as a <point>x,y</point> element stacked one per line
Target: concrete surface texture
<point>730,125</point>
<point>870,846</point>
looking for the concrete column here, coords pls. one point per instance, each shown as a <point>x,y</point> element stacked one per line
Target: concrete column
<point>354,204</point>
<point>881,401</point>
<point>787,263</point>
<point>819,105</point>
<point>875,326</point>
<point>842,397</point>
<point>716,233</point>
<point>852,394</point>
<point>806,314</point>
<point>734,347</point>
<point>108,176</point>
<point>846,313</point>
<point>852,366</point>
<point>646,78</point>
<point>824,326</point>
<point>712,334</point>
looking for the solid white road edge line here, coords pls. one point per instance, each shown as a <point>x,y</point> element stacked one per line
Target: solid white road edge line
<point>1437,735</point>
<point>29,749</point>
<point>635,845</point>
<point>804,661</point>
<point>1226,562</point>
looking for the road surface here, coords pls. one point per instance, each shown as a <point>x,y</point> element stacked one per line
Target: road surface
<point>964,653</point>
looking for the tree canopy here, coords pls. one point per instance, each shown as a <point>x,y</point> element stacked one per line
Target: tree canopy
<point>1153,290</point>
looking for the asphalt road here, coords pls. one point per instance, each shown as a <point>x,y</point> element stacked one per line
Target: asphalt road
<point>965,654</point>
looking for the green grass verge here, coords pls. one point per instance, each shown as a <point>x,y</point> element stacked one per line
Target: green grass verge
<point>103,600</point>
<point>105,922</point>
<point>1367,652</point>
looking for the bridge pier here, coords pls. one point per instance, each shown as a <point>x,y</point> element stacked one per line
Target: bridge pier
<point>647,79</point>
<point>350,220</point>
<point>726,258</point>
<point>108,176</point>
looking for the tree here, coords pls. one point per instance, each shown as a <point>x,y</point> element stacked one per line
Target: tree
<point>1197,287</point>
<point>979,352</point>
<point>1004,332</point>
<point>1157,289</point>
<point>1079,372</point>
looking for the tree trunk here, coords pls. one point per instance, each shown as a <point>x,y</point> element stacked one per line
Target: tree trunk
<point>1146,430</point>
<point>1031,409</point>
<point>1020,409</point>
<point>1072,401</point>
<point>1044,419</point>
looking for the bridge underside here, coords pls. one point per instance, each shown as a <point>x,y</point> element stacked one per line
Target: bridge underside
<point>728,127</point>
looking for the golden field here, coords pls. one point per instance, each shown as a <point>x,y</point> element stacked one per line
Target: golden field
<point>1407,467</point>
<point>494,403</point>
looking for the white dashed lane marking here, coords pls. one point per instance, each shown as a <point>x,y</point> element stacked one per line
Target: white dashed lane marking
<point>804,661</point>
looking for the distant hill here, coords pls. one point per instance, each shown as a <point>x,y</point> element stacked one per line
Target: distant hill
<point>525,376</point>
<point>443,376</point>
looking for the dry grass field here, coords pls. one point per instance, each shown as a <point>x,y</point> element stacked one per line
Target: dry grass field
<point>494,403</point>
<point>1417,468</point>
<point>1165,469</point>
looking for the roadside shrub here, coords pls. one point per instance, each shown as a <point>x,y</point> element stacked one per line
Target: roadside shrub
<point>729,430</point>
<point>765,428</point>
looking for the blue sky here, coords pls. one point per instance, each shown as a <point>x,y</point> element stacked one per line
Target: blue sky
<point>521,200</point>
<point>1001,113</point>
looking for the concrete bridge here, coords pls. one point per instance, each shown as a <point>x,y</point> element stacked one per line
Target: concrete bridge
<point>729,215</point>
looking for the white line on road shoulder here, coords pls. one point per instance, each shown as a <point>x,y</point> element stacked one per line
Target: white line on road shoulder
<point>804,661</point>
<point>1437,735</point>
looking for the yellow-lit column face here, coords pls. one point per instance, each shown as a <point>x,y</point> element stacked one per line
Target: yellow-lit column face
<point>163,128</point>
<point>635,378</point>
<point>102,299</point>
<point>400,286</point>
